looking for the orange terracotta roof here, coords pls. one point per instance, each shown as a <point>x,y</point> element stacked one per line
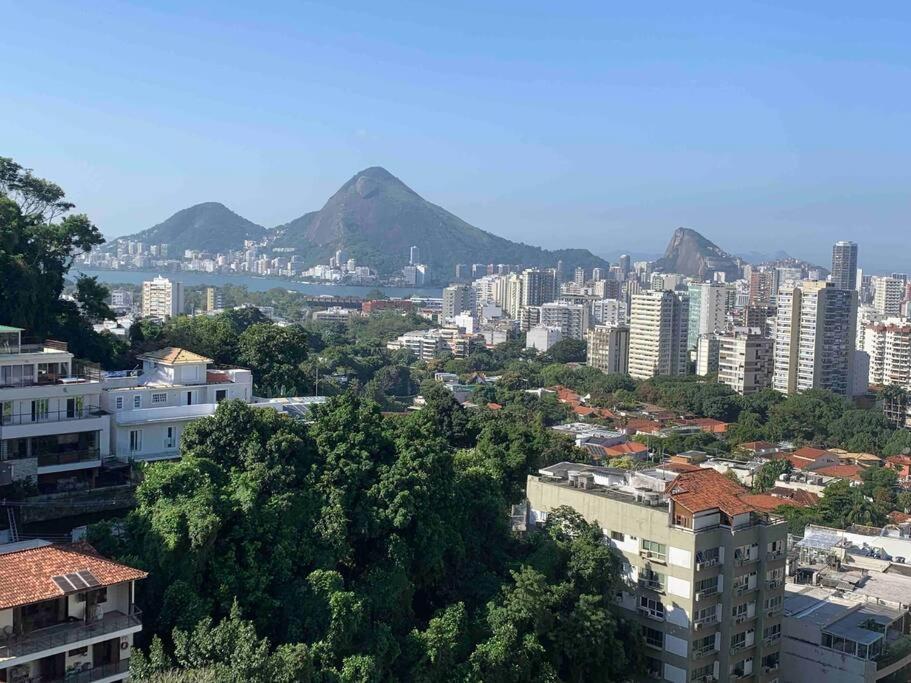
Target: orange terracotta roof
<point>799,497</point>
<point>808,453</point>
<point>494,406</point>
<point>583,411</point>
<point>645,426</point>
<point>678,467</point>
<point>218,377</point>
<point>757,446</point>
<point>766,502</point>
<point>901,460</point>
<point>708,489</point>
<point>26,575</point>
<point>709,424</point>
<point>628,448</point>
<point>840,471</point>
<point>174,355</point>
<point>897,517</point>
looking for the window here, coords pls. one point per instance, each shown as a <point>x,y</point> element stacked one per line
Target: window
<point>774,577</point>
<point>706,615</point>
<point>703,673</point>
<point>118,403</point>
<point>159,398</point>
<point>78,652</point>
<point>653,550</point>
<point>707,557</point>
<point>40,409</point>
<point>135,440</point>
<point>652,580</point>
<point>703,646</point>
<point>137,401</point>
<point>189,398</point>
<point>653,608</point>
<point>707,586</point>
<point>617,536</point>
<point>654,668</point>
<point>773,604</point>
<point>740,610</point>
<point>772,633</point>
<point>6,412</point>
<point>654,638</point>
<point>169,440</point>
<point>220,395</point>
<point>738,640</point>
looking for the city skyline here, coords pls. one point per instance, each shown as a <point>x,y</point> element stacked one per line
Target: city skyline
<point>628,127</point>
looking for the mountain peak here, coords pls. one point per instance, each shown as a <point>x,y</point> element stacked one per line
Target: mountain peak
<point>692,254</point>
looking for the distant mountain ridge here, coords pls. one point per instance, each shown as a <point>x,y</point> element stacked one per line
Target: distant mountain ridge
<point>210,226</point>
<point>375,218</point>
<point>690,253</point>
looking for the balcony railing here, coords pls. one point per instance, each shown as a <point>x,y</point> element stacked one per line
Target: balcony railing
<point>706,621</point>
<point>703,593</point>
<point>28,418</point>
<point>96,673</point>
<point>65,634</point>
<point>704,651</point>
<point>68,457</point>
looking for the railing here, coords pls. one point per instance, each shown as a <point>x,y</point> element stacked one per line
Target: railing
<point>65,634</point>
<point>706,621</point>
<point>703,593</point>
<point>705,564</point>
<point>740,590</point>
<point>768,640</point>
<point>704,651</point>
<point>27,418</point>
<point>774,555</point>
<point>47,380</point>
<point>96,673</point>
<point>68,457</point>
<point>652,585</point>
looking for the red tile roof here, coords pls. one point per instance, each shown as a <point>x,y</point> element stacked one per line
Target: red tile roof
<point>494,406</point>
<point>708,489</point>
<point>678,467</point>
<point>766,502</point>
<point>708,424</point>
<point>899,460</point>
<point>628,448</point>
<point>799,497</point>
<point>897,517</point>
<point>583,411</point>
<point>840,471</point>
<point>809,454</point>
<point>644,426</point>
<point>26,575</point>
<point>218,377</point>
<point>757,446</point>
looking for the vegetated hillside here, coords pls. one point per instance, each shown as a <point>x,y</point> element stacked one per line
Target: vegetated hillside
<point>693,255</point>
<point>209,226</point>
<point>376,218</point>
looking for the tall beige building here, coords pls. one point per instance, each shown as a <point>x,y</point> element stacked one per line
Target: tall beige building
<point>889,346</point>
<point>608,348</point>
<point>745,360</point>
<point>815,333</point>
<point>162,298</point>
<point>658,334</point>
<point>705,566</point>
<point>888,294</point>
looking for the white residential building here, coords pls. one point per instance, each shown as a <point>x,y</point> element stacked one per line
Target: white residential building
<point>149,410</point>
<point>542,337</point>
<point>707,348</point>
<point>572,319</point>
<point>162,298</point>
<point>888,294</point>
<point>66,614</point>
<point>658,334</point>
<point>889,346</point>
<point>608,312</point>
<point>427,344</point>
<point>814,338</point>
<point>457,299</point>
<point>53,430</point>
<point>336,314</point>
<point>745,360</point>
<point>608,348</point>
<point>708,307</point>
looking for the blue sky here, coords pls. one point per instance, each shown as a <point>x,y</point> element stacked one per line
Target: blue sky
<point>602,125</point>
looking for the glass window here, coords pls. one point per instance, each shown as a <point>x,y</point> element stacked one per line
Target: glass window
<point>118,402</point>
<point>40,409</point>
<point>137,401</point>
<point>135,441</point>
<point>159,398</point>
<point>653,549</point>
<point>654,637</point>
<point>617,535</point>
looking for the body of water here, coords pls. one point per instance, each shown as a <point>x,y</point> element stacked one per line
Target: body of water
<point>255,284</point>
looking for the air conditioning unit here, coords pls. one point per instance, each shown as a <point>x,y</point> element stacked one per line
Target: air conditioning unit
<point>698,625</point>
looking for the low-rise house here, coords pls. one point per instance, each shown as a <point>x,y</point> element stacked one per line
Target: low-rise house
<point>849,472</point>
<point>66,614</point>
<point>758,449</point>
<point>809,459</point>
<point>151,408</point>
<point>901,464</point>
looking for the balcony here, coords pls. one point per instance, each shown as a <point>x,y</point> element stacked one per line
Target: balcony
<point>63,635</point>
<point>29,418</point>
<point>706,651</point>
<point>68,457</point>
<point>773,555</point>
<point>96,673</point>
<point>654,556</point>
<point>741,590</point>
<point>705,564</point>
<point>705,622</point>
<point>704,593</point>
<point>652,585</point>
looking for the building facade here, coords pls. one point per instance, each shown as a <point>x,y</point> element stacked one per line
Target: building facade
<point>658,334</point>
<point>745,360</point>
<point>161,298</point>
<point>608,348</point>
<point>844,265</point>
<point>705,568</point>
<point>815,335</point>
<point>572,319</point>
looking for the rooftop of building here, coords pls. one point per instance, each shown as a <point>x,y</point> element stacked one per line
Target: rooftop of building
<point>37,571</point>
<point>174,355</point>
<point>833,612</point>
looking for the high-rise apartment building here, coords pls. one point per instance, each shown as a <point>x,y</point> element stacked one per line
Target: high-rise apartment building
<point>538,287</point>
<point>608,312</point>
<point>608,348</point>
<point>414,256</point>
<point>815,331</point>
<point>888,293</point>
<point>658,334</point>
<point>844,265</point>
<point>889,346</point>
<point>457,299</point>
<point>707,347</point>
<point>572,319</point>
<point>706,567</point>
<point>624,263</point>
<point>214,299</point>
<point>708,306</point>
<point>579,276</point>
<point>745,360</point>
<point>161,298</point>
<point>763,286</point>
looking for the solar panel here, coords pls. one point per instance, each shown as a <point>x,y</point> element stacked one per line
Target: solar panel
<point>63,584</point>
<point>89,578</point>
<point>77,581</point>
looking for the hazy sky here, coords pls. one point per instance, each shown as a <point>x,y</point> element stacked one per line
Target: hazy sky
<point>602,124</point>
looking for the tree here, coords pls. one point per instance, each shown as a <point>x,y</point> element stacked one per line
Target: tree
<point>274,354</point>
<point>767,476</point>
<point>806,417</point>
<point>899,443</point>
<point>566,351</point>
<point>865,431</point>
<point>38,244</point>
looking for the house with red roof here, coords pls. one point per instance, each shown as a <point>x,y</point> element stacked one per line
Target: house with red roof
<point>66,613</point>
<point>811,459</point>
<point>901,464</point>
<point>849,472</point>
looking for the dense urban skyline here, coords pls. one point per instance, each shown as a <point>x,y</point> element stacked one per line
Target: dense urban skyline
<point>763,127</point>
